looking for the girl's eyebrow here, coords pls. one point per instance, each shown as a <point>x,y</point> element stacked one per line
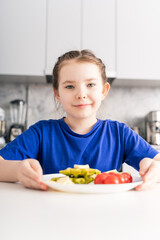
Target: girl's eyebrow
<point>87,80</point>
<point>68,81</point>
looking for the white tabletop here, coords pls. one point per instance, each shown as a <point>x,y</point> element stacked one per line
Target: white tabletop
<point>32,214</point>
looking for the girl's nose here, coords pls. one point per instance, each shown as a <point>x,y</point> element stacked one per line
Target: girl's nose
<point>81,93</point>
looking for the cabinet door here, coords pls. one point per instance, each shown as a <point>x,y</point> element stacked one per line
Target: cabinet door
<point>138,39</point>
<point>22,41</point>
<point>64,29</point>
<point>98,31</point>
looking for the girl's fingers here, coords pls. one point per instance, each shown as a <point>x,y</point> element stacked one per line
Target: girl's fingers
<point>29,169</point>
<point>151,173</point>
<point>144,165</point>
<point>36,166</point>
<point>30,174</point>
<point>144,186</point>
<point>30,183</point>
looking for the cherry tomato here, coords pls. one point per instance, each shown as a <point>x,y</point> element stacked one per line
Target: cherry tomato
<point>111,173</point>
<point>127,177</point>
<point>111,179</point>
<point>121,178</point>
<point>99,179</point>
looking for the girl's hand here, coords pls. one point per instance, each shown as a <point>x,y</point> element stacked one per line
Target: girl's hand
<point>30,174</point>
<point>150,173</point>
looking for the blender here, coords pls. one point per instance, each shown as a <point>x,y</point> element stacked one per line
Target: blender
<point>2,128</point>
<point>18,118</point>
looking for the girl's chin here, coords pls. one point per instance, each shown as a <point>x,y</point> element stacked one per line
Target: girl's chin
<point>80,117</point>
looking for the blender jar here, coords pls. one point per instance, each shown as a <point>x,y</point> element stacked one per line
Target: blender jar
<point>18,117</point>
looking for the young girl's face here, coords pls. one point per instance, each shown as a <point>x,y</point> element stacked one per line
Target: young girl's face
<point>81,89</point>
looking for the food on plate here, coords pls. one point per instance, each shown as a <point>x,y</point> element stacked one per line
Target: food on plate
<point>86,166</point>
<point>83,174</point>
<point>113,177</point>
<point>80,174</point>
<point>65,180</point>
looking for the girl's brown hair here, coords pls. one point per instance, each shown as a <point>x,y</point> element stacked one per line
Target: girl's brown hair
<point>80,56</point>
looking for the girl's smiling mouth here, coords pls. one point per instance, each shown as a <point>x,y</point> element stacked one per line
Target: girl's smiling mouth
<point>82,105</point>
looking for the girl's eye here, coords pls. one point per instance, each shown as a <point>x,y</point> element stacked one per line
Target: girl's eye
<point>69,86</point>
<point>91,84</point>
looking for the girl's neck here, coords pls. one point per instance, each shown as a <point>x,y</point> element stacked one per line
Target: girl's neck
<point>81,126</point>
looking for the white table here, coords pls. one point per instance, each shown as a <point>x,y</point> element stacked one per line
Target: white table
<point>27,214</point>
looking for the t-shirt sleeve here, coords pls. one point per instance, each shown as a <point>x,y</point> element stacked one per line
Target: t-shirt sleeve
<point>136,148</point>
<point>24,146</point>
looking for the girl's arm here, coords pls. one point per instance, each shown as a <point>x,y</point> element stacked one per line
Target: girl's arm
<point>157,157</point>
<point>150,172</point>
<point>28,172</point>
<point>8,170</point>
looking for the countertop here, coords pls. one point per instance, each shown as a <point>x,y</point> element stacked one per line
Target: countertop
<point>32,214</point>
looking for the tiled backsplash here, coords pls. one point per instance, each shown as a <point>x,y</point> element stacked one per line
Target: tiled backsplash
<point>124,104</point>
<point>9,92</point>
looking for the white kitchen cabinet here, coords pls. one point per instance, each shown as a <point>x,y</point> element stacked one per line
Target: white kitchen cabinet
<point>138,39</point>
<point>99,31</point>
<point>63,29</point>
<point>81,24</point>
<point>22,41</point>
<point>34,33</point>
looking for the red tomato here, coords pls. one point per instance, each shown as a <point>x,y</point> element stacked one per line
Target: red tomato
<point>111,173</point>
<point>121,178</point>
<point>127,177</point>
<point>111,179</point>
<point>99,179</point>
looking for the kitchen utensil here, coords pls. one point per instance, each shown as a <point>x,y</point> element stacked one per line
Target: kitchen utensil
<point>153,127</point>
<point>18,116</point>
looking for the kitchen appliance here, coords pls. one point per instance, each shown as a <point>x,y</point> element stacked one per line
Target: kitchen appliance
<point>153,127</point>
<point>18,118</point>
<point>2,127</point>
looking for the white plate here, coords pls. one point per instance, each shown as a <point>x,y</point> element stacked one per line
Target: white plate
<point>90,188</point>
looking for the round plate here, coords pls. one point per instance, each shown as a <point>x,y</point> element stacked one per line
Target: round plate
<point>90,188</point>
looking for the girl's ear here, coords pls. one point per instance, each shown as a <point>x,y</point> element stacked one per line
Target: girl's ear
<point>105,90</point>
<point>56,94</point>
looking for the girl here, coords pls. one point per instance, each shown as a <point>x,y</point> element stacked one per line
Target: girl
<point>80,85</point>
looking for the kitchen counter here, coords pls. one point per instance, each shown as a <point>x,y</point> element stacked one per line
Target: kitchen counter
<point>33,214</point>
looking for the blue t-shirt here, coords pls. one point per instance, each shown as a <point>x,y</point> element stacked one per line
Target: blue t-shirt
<point>107,146</point>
